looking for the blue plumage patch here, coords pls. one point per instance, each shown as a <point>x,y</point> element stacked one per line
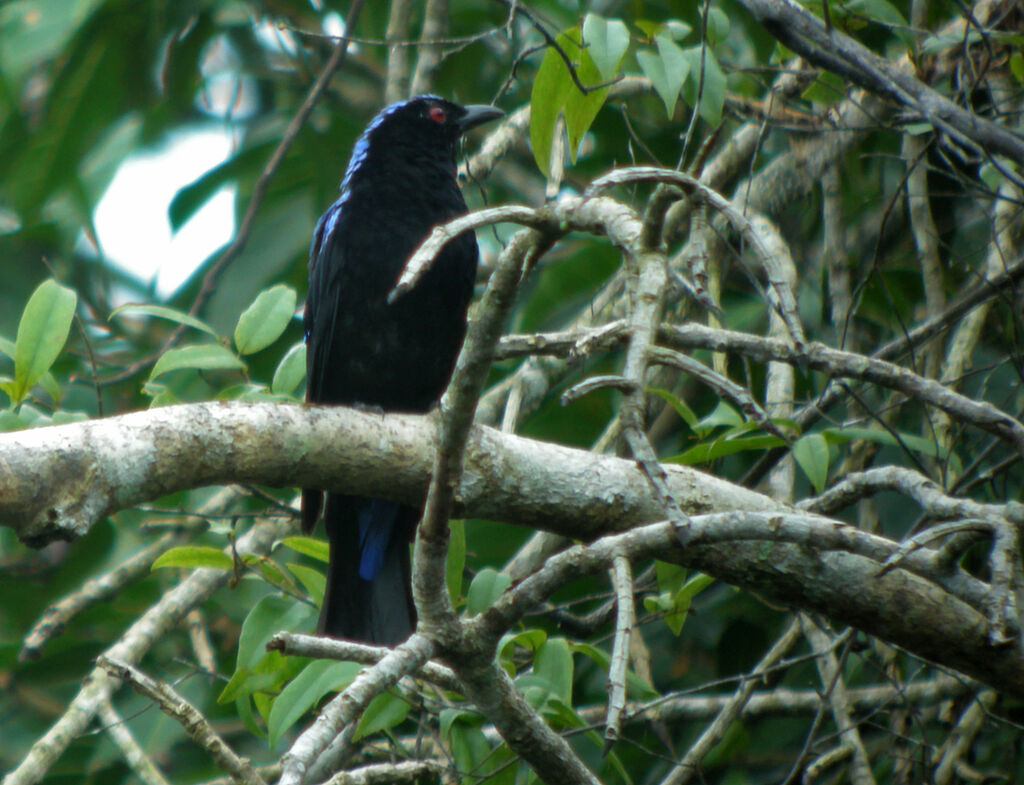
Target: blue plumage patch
<point>375,522</point>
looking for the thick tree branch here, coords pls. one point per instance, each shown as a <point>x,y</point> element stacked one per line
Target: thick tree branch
<point>56,482</point>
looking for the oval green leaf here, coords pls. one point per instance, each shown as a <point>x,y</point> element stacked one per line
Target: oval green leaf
<point>193,556</point>
<point>487,586</point>
<point>200,357</point>
<point>385,711</point>
<point>305,690</point>
<point>163,312</point>
<point>265,320</point>
<point>42,333</point>
<point>811,454</point>
<point>290,371</point>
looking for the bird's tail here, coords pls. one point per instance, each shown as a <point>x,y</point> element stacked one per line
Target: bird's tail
<point>367,597</point>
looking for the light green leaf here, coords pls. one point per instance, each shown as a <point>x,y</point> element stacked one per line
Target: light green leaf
<point>487,586</point>
<point>712,93</point>
<point>199,356</point>
<point>671,577</point>
<point>193,556</point>
<point>304,691</point>
<point>547,98</point>
<point>163,312</point>
<point>42,333</point>
<point>811,454</point>
<point>309,546</point>
<point>718,25</point>
<point>607,41</point>
<point>554,93</point>
<point>677,29</point>
<point>312,580</point>
<point>263,322</point>
<point>666,85</point>
<point>290,371</point>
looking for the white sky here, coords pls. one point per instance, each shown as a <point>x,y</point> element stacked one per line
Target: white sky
<point>131,218</point>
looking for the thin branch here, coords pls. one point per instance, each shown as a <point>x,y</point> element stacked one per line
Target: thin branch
<point>174,705</point>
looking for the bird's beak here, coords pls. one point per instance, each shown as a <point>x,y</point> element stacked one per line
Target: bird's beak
<point>477,114</point>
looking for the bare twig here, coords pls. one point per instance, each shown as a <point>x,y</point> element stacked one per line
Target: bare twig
<point>171,703</point>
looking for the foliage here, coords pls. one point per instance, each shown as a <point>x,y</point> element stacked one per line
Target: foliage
<point>85,84</point>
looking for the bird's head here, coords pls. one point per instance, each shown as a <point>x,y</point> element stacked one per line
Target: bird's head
<point>427,126</point>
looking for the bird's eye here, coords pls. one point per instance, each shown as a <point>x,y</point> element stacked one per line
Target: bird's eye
<point>438,115</point>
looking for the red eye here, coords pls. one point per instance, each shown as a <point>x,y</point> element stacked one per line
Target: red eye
<point>438,115</point>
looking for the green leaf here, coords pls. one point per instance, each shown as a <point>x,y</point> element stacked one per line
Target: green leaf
<point>554,92</point>
<point>553,663</point>
<point>722,414</point>
<point>469,746</point>
<point>606,42</point>
<point>265,320</point>
<point>290,371</point>
<point>547,98</point>
<point>42,333</point>
<point>884,13</point>
<point>255,667</point>
<point>312,580</point>
<point>811,453</point>
<point>712,93</point>
<point>385,711</point>
<point>671,577</point>
<point>304,691</point>
<point>1017,67</point>
<point>827,89</point>
<point>198,356</point>
<point>163,312</point>
<point>193,556</point>
<point>667,83</point>
<point>487,586</point>
<point>638,687</point>
<point>719,448</point>
<point>309,546</point>
<point>682,409</point>
<point>718,25</point>
<point>456,558</point>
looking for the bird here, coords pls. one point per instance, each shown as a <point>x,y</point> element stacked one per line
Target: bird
<point>363,351</point>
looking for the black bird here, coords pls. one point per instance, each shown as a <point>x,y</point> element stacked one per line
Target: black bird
<point>399,184</point>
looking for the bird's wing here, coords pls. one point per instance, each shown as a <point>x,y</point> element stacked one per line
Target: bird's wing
<point>322,302</point>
